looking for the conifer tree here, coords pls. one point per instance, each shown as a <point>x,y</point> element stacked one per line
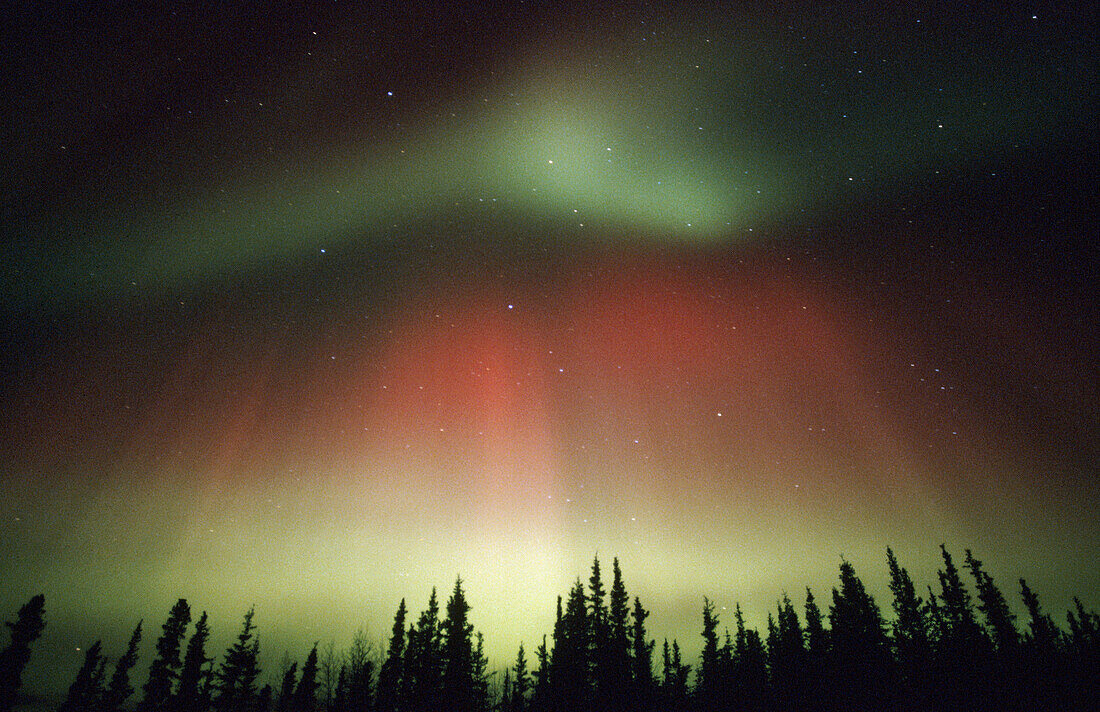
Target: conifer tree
<point>963,650</point>
<point>958,610</point>
<point>481,674</point>
<point>286,688</point>
<point>540,697</point>
<point>235,680</point>
<point>340,692</point>
<point>458,677</point>
<point>521,682</point>
<point>599,641</point>
<point>641,658</point>
<point>391,672</point>
<point>674,687</point>
<point>707,681</point>
<point>165,666</point>
<point>750,672</point>
<point>569,662</point>
<point>304,698</point>
<point>859,652</point>
<point>787,657</point>
<point>264,699</point>
<point>613,658</point>
<point>507,703</point>
<point>1046,677</point>
<point>87,689</point>
<point>189,694</point>
<point>120,689</point>
<point>1084,646</point>
<point>424,660</point>
<point>910,640</point>
<point>1042,633</point>
<point>817,640</point>
<point>666,673</point>
<point>26,629</point>
<point>999,618</point>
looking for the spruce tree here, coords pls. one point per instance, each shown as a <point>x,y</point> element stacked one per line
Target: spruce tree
<point>87,689</point>
<point>963,650</point>
<point>304,698</point>
<point>675,682</point>
<point>1044,670</point>
<point>458,674</point>
<point>999,618</point>
<point>189,694</point>
<point>912,649</point>
<point>641,659</point>
<point>958,610</point>
<point>286,688</point>
<point>120,689</point>
<point>390,674</point>
<point>540,697</point>
<point>614,674</point>
<point>750,671</point>
<point>787,657</point>
<point>518,698</point>
<point>25,630</point>
<point>481,674</point>
<point>707,681</point>
<point>1042,633</point>
<point>165,666</point>
<point>570,676</point>
<point>817,639</point>
<point>599,641</point>
<point>264,699</point>
<point>235,679</point>
<point>424,660</point>
<point>860,656</point>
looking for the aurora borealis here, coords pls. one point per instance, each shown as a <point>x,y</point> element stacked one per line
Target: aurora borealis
<point>317,308</point>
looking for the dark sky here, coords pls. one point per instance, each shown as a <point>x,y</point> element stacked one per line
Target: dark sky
<point>318,307</point>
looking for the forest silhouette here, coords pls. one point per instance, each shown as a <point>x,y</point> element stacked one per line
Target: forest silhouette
<point>954,646</point>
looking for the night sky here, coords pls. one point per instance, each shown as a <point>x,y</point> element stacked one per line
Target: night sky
<point>317,308</point>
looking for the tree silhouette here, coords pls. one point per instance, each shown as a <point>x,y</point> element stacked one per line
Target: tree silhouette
<point>999,618</point>
<point>87,689</point>
<point>517,700</point>
<point>458,673</point>
<point>120,689</point>
<point>747,667</point>
<point>391,672</point>
<point>569,661</point>
<point>962,647</point>
<point>911,646</point>
<point>599,643</point>
<point>360,675</point>
<point>286,688</point>
<point>787,658</point>
<point>304,698</point>
<point>189,695</point>
<point>614,677</point>
<point>236,680</point>
<point>481,675</point>
<point>540,696</point>
<point>859,662</point>
<point>423,660</point>
<point>165,666</point>
<point>932,654</point>
<point>708,683</point>
<point>25,630</point>
<point>674,678</point>
<point>641,658</point>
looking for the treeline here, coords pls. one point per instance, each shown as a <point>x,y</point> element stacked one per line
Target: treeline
<point>950,647</point>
